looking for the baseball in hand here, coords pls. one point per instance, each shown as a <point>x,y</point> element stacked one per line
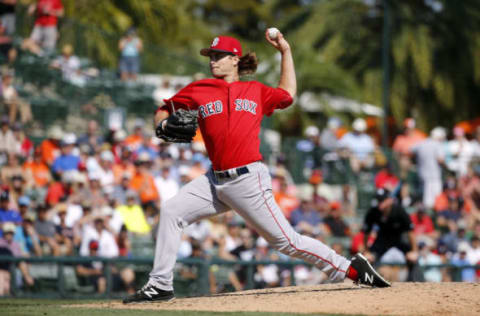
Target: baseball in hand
<point>273,33</point>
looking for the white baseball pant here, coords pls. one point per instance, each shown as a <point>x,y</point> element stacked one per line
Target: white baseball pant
<point>250,195</point>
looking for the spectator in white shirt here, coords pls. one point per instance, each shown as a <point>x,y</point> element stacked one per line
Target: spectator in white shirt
<point>7,139</point>
<point>107,246</point>
<point>360,145</point>
<point>476,142</point>
<point>430,156</point>
<point>473,254</point>
<point>69,64</point>
<point>105,172</point>
<point>166,185</point>
<point>163,91</point>
<point>461,150</point>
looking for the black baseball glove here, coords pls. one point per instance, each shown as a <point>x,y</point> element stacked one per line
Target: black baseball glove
<point>179,127</point>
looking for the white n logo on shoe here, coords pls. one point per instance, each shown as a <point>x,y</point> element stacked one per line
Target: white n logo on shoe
<point>150,292</point>
<point>369,278</point>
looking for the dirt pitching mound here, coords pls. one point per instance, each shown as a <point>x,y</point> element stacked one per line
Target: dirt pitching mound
<point>400,299</point>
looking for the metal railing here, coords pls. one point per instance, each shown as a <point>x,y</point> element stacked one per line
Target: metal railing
<point>202,281</point>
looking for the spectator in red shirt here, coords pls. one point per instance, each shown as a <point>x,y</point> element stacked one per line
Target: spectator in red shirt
<point>386,179</point>
<point>423,224</point>
<point>44,35</point>
<point>358,242</point>
<point>56,191</point>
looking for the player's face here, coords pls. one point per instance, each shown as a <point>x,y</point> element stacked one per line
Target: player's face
<point>223,64</point>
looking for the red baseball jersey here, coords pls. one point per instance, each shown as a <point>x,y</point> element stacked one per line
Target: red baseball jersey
<point>229,116</point>
<point>44,18</point>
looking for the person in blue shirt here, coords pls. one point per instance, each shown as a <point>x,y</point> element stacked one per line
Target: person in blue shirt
<point>306,217</point>
<point>67,160</point>
<point>460,260</point>
<point>147,147</point>
<point>26,236</point>
<point>6,214</point>
<point>130,47</point>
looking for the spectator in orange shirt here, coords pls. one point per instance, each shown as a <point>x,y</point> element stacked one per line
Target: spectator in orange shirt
<point>286,201</point>
<point>410,137</point>
<point>134,141</point>
<point>37,169</point>
<point>50,147</point>
<point>143,183</point>
<point>449,191</point>
<point>124,166</point>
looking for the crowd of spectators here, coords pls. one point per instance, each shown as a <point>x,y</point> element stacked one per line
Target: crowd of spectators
<point>98,194</point>
<point>430,213</point>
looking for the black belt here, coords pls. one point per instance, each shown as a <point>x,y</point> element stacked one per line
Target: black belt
<point>231,173</point>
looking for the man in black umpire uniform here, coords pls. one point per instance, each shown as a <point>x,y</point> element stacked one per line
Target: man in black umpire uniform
<point>395,241</point>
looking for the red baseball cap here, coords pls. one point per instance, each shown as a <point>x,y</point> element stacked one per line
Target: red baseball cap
<point>93,245</point>
<point>224,44</point>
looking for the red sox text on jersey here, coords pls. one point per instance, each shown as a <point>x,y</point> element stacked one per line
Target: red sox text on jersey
<point>216,107</point>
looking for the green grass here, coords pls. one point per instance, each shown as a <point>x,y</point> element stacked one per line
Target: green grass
<point>48,307</point>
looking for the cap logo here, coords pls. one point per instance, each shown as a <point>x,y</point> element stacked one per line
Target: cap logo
<point>235,50</point>
<point>215,41</point>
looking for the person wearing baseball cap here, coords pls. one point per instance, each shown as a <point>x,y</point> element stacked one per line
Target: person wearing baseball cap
<point>67,160</point>
<point>223,44</point>
<point>229,112</point>
<point>391,223</point>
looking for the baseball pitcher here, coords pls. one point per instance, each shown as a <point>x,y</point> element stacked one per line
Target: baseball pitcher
<point>229,113</point>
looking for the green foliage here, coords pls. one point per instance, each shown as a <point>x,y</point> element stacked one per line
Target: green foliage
<point>435,55</point>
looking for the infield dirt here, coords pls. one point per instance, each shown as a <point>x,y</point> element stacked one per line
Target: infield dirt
<point>400,299</point>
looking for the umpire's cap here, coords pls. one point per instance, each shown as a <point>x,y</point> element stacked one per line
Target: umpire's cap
<point>224,44</point>
<point>380,195</point>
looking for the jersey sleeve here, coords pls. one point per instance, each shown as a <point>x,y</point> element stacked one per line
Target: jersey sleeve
<point>275,98</point>
<point>183,99</point>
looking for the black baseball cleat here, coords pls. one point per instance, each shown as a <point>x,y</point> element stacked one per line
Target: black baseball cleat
<point>149,293</point>
<point>366,274</point>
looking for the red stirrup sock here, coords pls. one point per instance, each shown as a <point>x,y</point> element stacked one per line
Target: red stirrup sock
<point>352,274</point>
